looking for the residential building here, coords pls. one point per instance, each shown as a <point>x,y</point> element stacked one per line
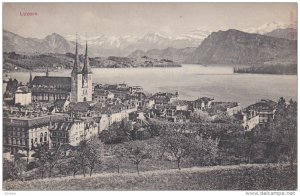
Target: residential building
<point>231,108</point>
<point>67,132</point>
<point>101,95</point>
<point>202,103</point>
<point>163,98</point>
<point>265,109</point>
<point>250,120</point>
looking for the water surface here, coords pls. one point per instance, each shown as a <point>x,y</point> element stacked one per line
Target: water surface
<point>192,81</point>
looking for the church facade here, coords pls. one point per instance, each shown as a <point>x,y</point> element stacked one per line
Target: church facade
<point>77,88</point>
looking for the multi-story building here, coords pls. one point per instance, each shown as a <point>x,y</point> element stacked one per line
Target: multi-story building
<point>250,120</point>
<point>101,95</point>
<point>265,109</point>
<point>231,108</point>
<point>73,131</point>
<point>67,132</point>
<point>163,98</point>
<point>202,103</point>
<point>21,134</point>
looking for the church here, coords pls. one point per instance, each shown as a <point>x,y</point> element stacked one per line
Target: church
<point>77,88</point>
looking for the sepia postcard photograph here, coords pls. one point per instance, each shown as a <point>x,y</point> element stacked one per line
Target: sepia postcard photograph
<point>147,96</point>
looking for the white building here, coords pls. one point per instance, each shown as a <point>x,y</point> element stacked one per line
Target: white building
<point>23,95</point>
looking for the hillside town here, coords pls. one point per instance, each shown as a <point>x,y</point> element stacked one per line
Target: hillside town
<point>59,111</point>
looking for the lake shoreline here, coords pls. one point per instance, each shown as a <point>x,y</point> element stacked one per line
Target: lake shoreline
<point>193,81</point>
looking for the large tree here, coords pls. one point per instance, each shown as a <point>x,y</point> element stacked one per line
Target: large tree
<point>285,128</point>
<point>136,152</point>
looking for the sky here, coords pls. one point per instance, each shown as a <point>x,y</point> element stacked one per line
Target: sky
<point>136,19</point>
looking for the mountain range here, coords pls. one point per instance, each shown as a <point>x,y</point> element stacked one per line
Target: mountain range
<point>197,46</point>
<point>53,43</point>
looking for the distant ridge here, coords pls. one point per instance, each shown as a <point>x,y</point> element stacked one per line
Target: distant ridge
<point>237,47</point>
<point>176,55</point>
<point>53,43</point>
<point>288,33</point>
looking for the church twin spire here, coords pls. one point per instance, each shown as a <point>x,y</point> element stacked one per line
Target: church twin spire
<point>77,69</point>
<point>86,65</point>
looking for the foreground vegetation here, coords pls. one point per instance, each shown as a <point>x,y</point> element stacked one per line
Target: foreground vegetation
<point>162,145</point>
<point>245,177</point>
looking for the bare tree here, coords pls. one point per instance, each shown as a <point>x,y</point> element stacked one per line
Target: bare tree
<point>119,152</point>
<point>136,152</point>
<point>178,145</point>
<point>52,157</point>
<point>204,150</point>
<point>93,154</point>
<point>40,155</point>
<point>74,165</point>
<point>81,156</point>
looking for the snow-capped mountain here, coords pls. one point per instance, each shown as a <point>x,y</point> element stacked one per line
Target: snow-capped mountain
<point>124,45</point>
<point>193,35</point>
<point>266,28</point>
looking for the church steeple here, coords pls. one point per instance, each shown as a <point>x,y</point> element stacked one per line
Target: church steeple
<point>30,77</point>
<point>76,67</point>
<point>86,65</point>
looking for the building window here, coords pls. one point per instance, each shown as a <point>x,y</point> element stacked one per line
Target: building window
<point>41,137</point>
<point>45,137</point>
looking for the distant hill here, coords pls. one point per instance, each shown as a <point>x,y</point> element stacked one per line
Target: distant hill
<point>176,55</point>
<point>237,47</point>
<point>288,33</point>
<point>55,61</point>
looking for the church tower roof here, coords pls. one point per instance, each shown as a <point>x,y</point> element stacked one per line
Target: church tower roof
<point>30,77</point>
<point>86,65</point>
<point>76,67</point>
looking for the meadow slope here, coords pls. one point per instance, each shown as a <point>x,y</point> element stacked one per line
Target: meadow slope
<point>235,177</point>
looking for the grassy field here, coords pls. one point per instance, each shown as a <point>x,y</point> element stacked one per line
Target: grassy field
<point>235,177</point>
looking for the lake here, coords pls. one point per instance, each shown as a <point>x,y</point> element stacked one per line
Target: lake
<point>193,81</point>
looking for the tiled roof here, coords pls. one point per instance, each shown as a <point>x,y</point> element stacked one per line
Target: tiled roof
<point>52,81</point>
<point>49,90</point>
<point>23,89</point>
<point>101,92</point>
<point>81,107</point>
<point>204,99</point>
<point>263,105</point>
<point>60,102</point>
<point>224,105</point>
<point>32,122</point>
